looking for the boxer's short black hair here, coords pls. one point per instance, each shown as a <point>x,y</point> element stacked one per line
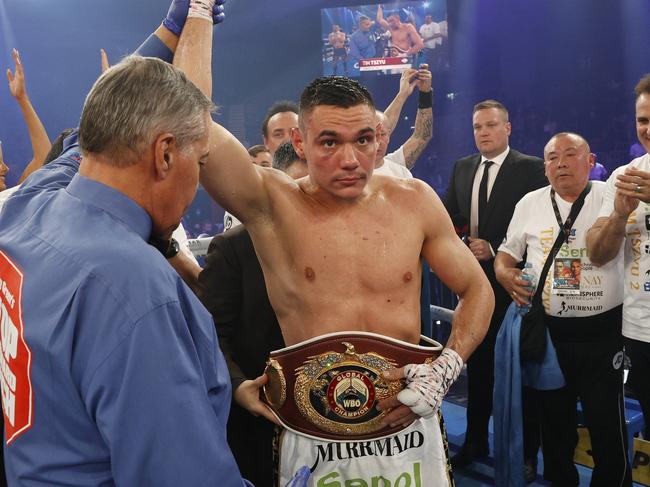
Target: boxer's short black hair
<point>337,91</point>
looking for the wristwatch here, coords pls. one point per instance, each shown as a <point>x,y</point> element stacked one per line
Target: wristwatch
<point>169,248</point>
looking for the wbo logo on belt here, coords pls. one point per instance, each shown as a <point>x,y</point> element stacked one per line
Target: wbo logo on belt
<point>338,392</point>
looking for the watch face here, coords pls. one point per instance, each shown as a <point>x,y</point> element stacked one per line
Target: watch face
<point>173,248</point>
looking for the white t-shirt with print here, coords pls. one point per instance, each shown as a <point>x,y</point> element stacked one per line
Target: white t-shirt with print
<point>534,228</point>
<point>636,255</point>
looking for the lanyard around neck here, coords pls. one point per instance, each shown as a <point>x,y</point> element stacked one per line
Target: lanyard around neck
<point>573,214</point>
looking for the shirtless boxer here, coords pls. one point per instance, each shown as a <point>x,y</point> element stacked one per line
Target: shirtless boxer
<point>337,256</point>
<point>404,38</point>
<point>337,40</point>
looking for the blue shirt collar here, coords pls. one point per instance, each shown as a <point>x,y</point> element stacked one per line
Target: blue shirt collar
<point>70,140</point>
<point>113,202</point>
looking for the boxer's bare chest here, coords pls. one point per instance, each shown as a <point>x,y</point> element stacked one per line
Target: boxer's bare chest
<point>337,39</point>
<point>401,37</point>
<point>332,269</point>
<point>368,250</point>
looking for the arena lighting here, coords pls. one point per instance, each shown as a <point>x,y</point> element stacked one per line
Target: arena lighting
<point>426,4</point>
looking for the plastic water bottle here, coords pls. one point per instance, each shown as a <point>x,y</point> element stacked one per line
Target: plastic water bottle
<point>528,274</point>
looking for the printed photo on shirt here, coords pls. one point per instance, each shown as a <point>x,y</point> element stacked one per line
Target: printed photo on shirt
<point>566,276</point>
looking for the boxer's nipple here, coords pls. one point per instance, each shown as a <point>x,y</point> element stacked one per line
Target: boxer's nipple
<point>310,274</point>
<point>407,277</point>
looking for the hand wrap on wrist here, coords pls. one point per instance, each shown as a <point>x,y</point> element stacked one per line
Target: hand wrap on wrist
<point>427,384</point>
<point>178,12</point>
<point>425,99</point>
<point>200,9</point>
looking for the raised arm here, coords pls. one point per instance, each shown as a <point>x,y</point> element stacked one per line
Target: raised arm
<point>423,132</point>
<point>406,85</point>
<point>380,18</point>
<point>37,134</point>
<point>163,41</point>
<point>228,175</point>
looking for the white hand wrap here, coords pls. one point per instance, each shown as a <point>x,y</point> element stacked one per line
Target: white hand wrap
<point>427,384</point>
<point>201,9</point>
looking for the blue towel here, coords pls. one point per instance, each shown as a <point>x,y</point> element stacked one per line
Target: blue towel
<point>506,410</point>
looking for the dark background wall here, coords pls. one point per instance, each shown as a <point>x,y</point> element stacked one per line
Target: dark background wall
<point>557,65</point>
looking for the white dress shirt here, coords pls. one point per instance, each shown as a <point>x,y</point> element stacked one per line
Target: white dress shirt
<point>492,175</point>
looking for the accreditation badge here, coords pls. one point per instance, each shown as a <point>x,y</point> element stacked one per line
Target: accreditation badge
<point>566,276</point>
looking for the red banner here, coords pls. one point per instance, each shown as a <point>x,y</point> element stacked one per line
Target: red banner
<point>16,358</point>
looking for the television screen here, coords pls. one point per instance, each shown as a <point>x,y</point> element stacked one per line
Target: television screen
<point>384,39</point>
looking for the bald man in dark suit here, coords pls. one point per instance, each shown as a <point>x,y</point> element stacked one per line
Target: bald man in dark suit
<point>483,191</point>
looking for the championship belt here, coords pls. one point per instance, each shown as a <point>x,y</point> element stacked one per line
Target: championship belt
<point>328,387</point>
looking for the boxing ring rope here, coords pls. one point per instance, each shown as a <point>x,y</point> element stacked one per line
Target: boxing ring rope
<point>441,314</point>
<point>199,246</point>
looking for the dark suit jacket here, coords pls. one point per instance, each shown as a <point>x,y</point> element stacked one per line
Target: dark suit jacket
<point>519,174</point>
<point>233,290</point>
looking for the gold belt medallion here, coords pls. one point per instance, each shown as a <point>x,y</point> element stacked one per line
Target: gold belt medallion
<point>338,392</point>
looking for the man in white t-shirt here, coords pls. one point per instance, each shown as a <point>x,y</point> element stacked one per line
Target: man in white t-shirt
<point>582,303</point>
<point>432,37</point>
<point>625,219</point>
<point>399,162</point>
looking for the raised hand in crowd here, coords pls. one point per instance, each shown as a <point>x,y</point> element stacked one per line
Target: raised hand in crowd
<point>37,134</point>
<point>104,60</point>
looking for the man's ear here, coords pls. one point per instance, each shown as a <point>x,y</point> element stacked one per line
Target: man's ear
<point>164,154</point>
<point>296,140</point>
<point>592,160</point>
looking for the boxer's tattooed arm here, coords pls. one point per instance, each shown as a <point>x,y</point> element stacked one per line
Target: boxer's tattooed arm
<point>422,134</point>
<point>427,384</point>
